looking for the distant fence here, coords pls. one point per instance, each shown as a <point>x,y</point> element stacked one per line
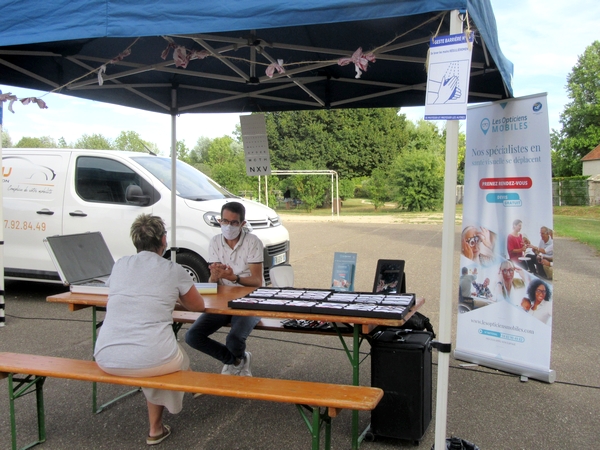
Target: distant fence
<point>564,192</point>
<point>576,192</point>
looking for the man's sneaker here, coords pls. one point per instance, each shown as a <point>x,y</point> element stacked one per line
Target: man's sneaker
<point>228,369</point>
<point>245,369</point>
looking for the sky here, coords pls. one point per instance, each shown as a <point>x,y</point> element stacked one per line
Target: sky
<point>543,39</point>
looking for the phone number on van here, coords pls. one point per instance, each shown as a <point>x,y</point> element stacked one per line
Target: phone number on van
<point>18,225</point>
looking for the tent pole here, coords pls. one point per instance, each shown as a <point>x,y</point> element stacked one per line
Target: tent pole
<point>2,316</point>
<point>173,173</point>
<point>447,275</point>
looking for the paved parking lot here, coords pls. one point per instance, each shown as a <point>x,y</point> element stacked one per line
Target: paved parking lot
<point>492,409</point>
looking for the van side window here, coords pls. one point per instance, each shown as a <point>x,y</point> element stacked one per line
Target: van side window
<point>105,180</point>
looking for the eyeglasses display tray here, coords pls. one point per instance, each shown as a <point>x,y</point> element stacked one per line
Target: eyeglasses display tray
<point>315,301</point>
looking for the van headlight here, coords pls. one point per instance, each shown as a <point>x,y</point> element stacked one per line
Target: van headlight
<point>212,219</point>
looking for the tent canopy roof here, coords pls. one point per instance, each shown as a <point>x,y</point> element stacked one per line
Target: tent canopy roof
<point>61,45</point>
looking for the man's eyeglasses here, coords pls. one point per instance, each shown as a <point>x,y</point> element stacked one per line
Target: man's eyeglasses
<point>473,241</point>
<point>233,223</point>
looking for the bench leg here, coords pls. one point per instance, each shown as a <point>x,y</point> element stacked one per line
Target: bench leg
<point>314,425</point>
<point>25,386</point>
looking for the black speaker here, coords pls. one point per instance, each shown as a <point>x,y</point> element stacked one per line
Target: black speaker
<point>401,366</point>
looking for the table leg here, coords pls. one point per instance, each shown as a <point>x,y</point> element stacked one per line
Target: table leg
<point>355,382</point>
<point>354,357</point>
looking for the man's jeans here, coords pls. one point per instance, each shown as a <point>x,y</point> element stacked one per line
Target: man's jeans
<point>241,327</point>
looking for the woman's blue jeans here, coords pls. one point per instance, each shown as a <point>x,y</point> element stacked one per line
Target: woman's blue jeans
<point>235,345</point>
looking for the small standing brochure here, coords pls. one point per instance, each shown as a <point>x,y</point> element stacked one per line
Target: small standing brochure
<point>344,267</point>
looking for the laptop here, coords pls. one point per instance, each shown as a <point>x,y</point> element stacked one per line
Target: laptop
<point>83,261</point>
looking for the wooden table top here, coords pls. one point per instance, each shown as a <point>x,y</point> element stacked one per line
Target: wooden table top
<point>218,304</point>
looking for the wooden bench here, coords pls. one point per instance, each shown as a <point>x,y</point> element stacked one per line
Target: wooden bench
<point>30,372</point>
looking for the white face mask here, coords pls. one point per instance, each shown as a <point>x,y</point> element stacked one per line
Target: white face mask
<point>230,232</point>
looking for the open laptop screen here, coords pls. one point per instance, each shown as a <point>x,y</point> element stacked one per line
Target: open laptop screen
<point>81,257</point>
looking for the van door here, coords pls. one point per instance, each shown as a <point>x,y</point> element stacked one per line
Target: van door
<point>33,187</point>
<point>106,195</point>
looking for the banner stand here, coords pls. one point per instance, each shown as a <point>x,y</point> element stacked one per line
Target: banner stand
<point>548,376</point>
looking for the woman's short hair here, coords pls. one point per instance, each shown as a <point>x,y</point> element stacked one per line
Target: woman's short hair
<point>147,232</point>
<point>536,283</point>
<point>517,222</point>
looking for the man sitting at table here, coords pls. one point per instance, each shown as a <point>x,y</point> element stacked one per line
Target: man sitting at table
<point>236,259</point>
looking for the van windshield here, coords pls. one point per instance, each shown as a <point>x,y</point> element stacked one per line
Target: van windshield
<point>191,183</point>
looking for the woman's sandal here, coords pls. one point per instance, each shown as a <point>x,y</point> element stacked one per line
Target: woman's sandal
<point>153,440</point>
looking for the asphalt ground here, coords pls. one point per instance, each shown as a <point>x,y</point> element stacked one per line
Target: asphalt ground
<point>489,408</point>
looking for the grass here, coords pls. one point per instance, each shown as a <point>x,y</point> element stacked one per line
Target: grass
<point>578,222</point>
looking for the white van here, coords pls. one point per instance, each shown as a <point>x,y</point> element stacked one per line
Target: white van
<point>62,191</point>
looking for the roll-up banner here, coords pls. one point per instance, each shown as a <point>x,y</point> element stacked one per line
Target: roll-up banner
<point>505,293</point>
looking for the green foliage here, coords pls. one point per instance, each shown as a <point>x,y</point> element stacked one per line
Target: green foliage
<point>198,154</point>
<point>95,141</point>
<point>377,188</point>
<point>62,143</point>
<point>34,142</point>
<point>350,141</point>
<point>580,120</point>
<point>310,189</point>
<point>346,188</point>
<point>576,177</point>
<point>183,152</point>
<point>130,141</point>
<point>417,178</point>
<point>6,140</point>
<point>222,159</point>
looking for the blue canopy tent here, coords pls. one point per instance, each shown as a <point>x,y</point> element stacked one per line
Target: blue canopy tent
<point>113,52</point>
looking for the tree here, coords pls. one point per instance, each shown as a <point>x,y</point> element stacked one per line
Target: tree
<point>131,141</point>
<point>95,141</point>
<point>35,142</point>
<point>62,143</point>
<point>222,159</point>
<point>377,188</point>
<point>417,177</point>
<point>580,120</point>
<point>6,140</point>
<point>183,153</point>
<point>311,189</point>
<point>198,154</point>
<point>351,141</point>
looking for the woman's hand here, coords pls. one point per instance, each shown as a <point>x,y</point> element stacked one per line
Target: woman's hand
<point>485,237</point>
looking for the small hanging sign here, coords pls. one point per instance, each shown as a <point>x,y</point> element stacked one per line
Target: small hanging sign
<point>448,77</point>
<point>256,145</point>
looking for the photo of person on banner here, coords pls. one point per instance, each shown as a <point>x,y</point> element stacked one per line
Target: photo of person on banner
<point>477,244</point>
<point>543,251</point>
<point>510,288</point>
<point>515,245</point>
<point>537,303</point>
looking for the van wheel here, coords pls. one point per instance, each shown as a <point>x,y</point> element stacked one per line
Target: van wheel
<point>195,266</point>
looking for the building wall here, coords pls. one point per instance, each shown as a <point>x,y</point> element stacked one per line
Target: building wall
<point>591,167</point>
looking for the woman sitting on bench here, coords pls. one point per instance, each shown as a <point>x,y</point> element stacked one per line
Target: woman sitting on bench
<point>136,338</point>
